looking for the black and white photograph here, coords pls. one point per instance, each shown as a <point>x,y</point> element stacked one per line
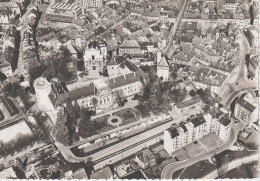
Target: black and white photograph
<point>129,89</point>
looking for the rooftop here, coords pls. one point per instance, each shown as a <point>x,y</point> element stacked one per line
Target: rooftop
<point>135,175</point>
<point>173,132</point>
<point>224,121</point>
<point>129,44</point>
<point>188,102</point>
<point>250,107</point>
<point>210,77</point>
<point>105,173</point>
<point>198,121</point>
<point>63,95</point>
<point>80,174</point>
<point>146,155</point>
<point>124,80</point>
<point>163,62</point>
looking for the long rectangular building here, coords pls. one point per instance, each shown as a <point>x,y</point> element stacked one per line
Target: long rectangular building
<point>63,12</point>
<point>194,129</point>
<point>125,86</point>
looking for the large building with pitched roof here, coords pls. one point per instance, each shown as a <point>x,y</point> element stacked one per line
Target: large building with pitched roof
<point>119,65</point>
<point>63,12</point>
<point>52,96</point>
<point>129,47</point>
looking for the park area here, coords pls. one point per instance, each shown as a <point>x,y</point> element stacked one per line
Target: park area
<point>116,119</point>
<point>13,131</point>
<point>15,137</point>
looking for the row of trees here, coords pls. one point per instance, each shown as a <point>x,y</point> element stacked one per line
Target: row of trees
<point>71,118</point>
<point>56,66</point>
<point>18,144</point>
<point>158,96</point>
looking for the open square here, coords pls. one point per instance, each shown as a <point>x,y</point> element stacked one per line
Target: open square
<point>189,151</point>
<point>210,140</point>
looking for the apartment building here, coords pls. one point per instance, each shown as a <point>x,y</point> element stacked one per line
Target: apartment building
<point>246,108</point>
<point>194,129</point>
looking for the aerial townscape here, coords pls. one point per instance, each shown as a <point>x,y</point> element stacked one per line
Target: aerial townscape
<point>129,89</point>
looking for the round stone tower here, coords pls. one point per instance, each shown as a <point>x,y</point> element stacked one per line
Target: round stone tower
<point>43,89</point>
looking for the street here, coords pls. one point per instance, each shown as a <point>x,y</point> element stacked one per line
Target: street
<point>124,148</point>
<point>169,46</point>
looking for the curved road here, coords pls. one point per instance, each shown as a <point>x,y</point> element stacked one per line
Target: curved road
<point>124,145</point>
<point>234,164</point>
<point>239,81</point>
<point>169,169</point>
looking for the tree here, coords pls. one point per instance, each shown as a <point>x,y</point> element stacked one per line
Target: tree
<point>61,130</point>
<point>72,119</point>
<point>146,91</point>
<point>2,149</point>
<point>157,89</point>
<point>94,102</point>
<point>85,125</point>
<point>154,104</point>
<point>77,109</point>
<point>192,93</point>
<point>20,164</point>
<point>200,92</point>
<point>119,97</point>
<point>174,75</point>
<point>178,95</point>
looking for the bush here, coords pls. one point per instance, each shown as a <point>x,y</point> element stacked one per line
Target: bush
<point>143,110</point>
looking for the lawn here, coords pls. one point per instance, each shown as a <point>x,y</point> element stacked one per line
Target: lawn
<point>197,170</point>
<point>100,122</point>
<point>176,174</point>
<point>127,115</point>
